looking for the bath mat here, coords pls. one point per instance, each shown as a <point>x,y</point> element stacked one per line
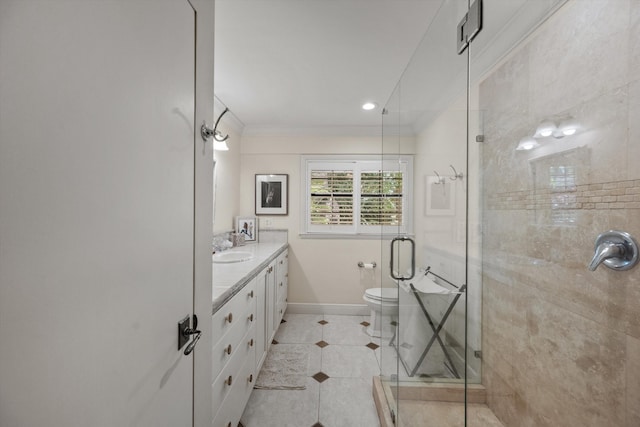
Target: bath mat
<point>285,368</point>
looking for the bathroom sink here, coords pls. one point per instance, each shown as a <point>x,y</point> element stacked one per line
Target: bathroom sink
<point>235,256</point>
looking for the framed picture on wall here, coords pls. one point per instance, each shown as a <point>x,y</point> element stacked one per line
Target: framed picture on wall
<point>248,227</point>
<point>272,194</point>
<point>440,198</point>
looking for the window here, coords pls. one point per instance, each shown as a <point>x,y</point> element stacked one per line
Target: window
<point>562,181</point>
<point>356,196</point>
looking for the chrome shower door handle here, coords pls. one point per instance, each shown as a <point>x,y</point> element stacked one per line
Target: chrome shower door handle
<point>617,250</point>
<point>413,258</point>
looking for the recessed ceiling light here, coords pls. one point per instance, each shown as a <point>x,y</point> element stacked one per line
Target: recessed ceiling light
<point>369,106</point>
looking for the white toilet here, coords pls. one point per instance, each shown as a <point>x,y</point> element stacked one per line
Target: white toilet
<point>383,303</point>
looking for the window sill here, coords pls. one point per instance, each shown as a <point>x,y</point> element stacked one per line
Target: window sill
<point>344,236</point>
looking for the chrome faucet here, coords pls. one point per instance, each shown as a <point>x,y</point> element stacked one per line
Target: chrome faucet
<point>616,249</point>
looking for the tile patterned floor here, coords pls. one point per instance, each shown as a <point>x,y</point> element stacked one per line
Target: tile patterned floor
<point>342,362</point>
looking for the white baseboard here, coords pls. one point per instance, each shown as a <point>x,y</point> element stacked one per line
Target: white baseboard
<point>348,309</point>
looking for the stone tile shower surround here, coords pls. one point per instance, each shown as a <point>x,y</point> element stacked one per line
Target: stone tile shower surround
<point>561,344</point>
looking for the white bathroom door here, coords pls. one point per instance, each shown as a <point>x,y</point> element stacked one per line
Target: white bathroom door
<point>96,211</point>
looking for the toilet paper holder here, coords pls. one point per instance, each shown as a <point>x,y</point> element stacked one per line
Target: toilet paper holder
<point>367,265</point>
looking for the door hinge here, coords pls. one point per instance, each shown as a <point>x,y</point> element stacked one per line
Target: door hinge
<point>469,26</point>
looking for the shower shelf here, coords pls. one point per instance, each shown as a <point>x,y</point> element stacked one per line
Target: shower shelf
<point>435,328</point>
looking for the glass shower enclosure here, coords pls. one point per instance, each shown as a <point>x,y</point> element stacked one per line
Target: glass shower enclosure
<point>525,150</point>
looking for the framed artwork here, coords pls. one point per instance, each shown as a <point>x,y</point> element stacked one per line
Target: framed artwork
<point>440,198</point>
<point>272,194</point>
<point>248,227</point>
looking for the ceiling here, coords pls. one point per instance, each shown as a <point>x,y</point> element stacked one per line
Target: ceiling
<point>309,65</point>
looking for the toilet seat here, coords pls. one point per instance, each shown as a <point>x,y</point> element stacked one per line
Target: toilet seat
<point>382,294</point>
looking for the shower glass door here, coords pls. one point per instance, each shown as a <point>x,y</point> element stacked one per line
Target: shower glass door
<point>426,119</point>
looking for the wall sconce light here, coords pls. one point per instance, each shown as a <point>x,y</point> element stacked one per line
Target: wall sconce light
<point>527,143</point>
<point>545,129</point>
<point>219,141</point>
<point>568,126</point>
<point>220,145</point>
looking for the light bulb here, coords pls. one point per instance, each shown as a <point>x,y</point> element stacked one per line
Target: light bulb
<point>527,143</point>
<point>369,106</point>
<point>546,128</point>
<point>569,127</point>
<point>220,145</point>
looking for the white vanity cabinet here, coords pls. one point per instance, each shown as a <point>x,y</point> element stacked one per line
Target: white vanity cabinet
<point>234,343</point>
<point>265,285</point>
<point>272,286</point>
<point>282,286</point>
<point>243,329</point>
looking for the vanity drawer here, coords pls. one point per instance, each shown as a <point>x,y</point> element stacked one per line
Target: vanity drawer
<point>233,341</point>
<point>233,312</point>
<point>230,412</point>
<point>233,376</point>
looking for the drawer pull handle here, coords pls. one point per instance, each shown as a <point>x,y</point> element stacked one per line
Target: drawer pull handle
<point>281,262</point>
<point>228,349</point>
<point>228,380</point>
<point>251,343</point>
<point>250,294</point>
<point>251,318</point>
<point>251,378</point>
<point>229,318</point>
<point>286,275</point>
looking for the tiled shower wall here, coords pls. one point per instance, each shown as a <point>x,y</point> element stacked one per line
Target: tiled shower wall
<point>561,344</point>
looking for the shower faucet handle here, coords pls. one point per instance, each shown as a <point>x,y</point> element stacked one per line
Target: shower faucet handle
<point>617,250</point>
<point>604,251</point>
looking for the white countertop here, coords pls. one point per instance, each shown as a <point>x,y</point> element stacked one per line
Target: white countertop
<point>230,278</point>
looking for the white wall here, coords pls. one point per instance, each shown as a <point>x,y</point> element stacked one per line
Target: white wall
<point>322,271</point>
<point>441,144</point>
